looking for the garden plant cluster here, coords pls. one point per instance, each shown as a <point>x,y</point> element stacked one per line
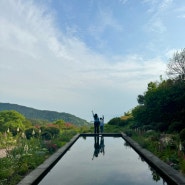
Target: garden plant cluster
<point>28,147</point>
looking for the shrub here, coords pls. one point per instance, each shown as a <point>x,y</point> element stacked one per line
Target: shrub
<point>117,121</point>
<point>23,169</point>
<point>31,132</point>
<point>128,133</point>
<point>51,147</point>
<point>176,126</point>
<point>46,135</point>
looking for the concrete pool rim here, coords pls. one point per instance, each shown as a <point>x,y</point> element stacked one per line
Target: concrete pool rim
<point>173,176</point>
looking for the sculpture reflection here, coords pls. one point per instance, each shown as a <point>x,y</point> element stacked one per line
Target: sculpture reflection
<point>99,146</point>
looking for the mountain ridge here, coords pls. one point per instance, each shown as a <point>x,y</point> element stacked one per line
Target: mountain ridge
<point>51,116</point>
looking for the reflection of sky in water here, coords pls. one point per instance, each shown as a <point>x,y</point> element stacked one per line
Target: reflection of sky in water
<point>119,165</point>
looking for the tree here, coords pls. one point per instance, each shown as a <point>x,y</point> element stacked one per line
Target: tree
<point>140,99</point>
<point>162,106</point>
<point>60,124</point>
<point>11,120</point>
<point>176,66</point>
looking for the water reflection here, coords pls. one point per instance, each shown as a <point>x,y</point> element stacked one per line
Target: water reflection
<point>99,147</point>
<point>102,146</point>
<point>156,176</point>
<point>87,163</point>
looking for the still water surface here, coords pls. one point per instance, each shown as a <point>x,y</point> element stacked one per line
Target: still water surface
<point>101,161</point>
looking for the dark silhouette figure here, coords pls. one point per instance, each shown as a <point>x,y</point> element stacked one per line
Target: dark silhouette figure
<point>96,147</point>
<point>96,123</point>
<point>102,145</point>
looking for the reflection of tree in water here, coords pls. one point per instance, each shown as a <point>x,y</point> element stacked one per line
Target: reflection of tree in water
<point>141,158</point>
<point>84,137</point>
<point>155,176</point>
<point>127,145</point>
<point>98,147</point>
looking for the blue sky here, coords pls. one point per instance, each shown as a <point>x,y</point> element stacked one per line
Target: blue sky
<point>75,56</point>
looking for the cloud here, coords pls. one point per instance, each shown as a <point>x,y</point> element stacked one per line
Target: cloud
<point>42,67</point>
<point>105,20</point>
<point>180,12</point>
<point>123,1</point>
<point>158,10</point>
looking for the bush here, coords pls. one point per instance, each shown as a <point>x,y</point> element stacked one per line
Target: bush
<point>51,147</point>
<point>176,126</point>
<point>182,166</point>
<point>31,132</point>
<point>129,133</point>
<point>46,135</point>
<point>23,169</point>
<point>117,121</point>
<point>52,130</point>
<point>162,126</point>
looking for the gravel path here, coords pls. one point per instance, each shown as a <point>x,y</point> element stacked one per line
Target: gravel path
<point>2,153</point>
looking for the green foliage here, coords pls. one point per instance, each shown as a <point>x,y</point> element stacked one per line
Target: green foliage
<point>128,133</point>
<point>66,135</point>
<point>50,146</point>
<point>84,129</point>
<point>182,135</point>
<point>182,166</point>
<point>46,135</point>
<point>11,120</point>
<point>176,126</point>
<point>27,123</point>
<point>27,154</point>
<point>113,128</point>
<point>31,132</point>
<point>140,99</point>
<point>166,151</point>
<point>60,123</point>
<point>39,122</point>
<point>162,106</point>
<point>51,130</point>
<point>117,121</point>
<point>30,142</point>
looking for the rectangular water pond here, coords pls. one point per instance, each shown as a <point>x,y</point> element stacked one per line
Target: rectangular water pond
<point>101,161</point>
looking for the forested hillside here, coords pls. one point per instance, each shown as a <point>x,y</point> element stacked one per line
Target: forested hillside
<point>50,116</point>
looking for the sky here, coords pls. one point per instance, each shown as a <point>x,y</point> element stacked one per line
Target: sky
<point>76,56</point>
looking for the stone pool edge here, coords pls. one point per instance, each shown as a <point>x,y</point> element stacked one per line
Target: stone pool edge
<point>165,170</point>
<point>37,174</point>
<point>174,176</point>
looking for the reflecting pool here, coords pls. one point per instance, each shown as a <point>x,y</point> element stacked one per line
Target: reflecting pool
<point>101,161</point>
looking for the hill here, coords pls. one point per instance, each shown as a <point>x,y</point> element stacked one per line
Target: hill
<point>51,116</point>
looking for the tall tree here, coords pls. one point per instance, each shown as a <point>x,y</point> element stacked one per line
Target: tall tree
<point>12,120</point>
<point>176,66</point>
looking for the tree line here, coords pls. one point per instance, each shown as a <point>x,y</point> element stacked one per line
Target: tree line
<point>162,106</point>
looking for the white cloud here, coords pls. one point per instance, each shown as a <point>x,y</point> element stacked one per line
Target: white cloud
<point>123,1</point>
<point>105,20</point>
<point>180,12</point>
<point>40,66</point>
<point>158,10</point>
